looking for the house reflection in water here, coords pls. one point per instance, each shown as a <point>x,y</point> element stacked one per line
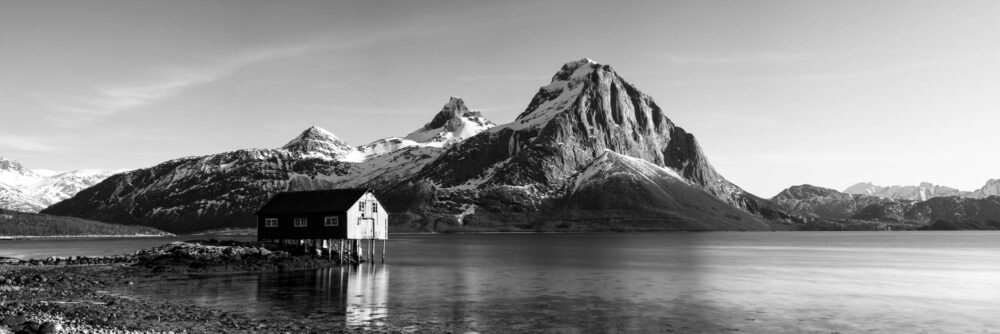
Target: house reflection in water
<point>357,295</point>
<point>367,294</point>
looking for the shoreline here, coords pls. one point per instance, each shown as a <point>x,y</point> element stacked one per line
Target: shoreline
<point>83,236</point>
<point>72,294</point>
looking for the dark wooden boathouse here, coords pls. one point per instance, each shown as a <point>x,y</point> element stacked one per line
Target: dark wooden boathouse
<point>325,220</point>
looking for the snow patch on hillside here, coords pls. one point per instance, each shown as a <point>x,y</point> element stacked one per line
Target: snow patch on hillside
<point>610,163</point>
<point>33,190</point>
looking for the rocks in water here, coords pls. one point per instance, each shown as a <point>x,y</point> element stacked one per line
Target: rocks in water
<point>20,324</point>
<point>50,328</point>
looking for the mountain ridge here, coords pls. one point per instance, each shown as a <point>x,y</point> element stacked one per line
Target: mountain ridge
<point>937,212</point>
<point>31,191</point>
<point>923,191</point>
<point>513,175</point>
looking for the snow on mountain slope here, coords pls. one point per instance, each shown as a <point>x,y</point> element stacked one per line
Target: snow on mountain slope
<point>586,109</point>
<point>452,124</point>
<point>611,163</point>
<point>921,192</point>
<point>14,198</point>
<point>13,173</point>
<point>316,142</point>
<point>510,173</point>
<point>614,182</point>
<point>223,190</point>
<point>33,190</point>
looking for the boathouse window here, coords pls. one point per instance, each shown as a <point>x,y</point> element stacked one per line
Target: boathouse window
<point>331,221</point>
<point>374,207</point>
<point>361,207</point>
<point>270,222</point>
<point>300,222</point>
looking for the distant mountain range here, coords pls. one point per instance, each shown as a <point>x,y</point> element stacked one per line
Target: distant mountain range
<point>925,206</point>
<point>923,191</point>
<point>27,190</point>
<point>590,152</point>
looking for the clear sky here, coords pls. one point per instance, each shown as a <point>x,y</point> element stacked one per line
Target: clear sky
<point>778,92</point>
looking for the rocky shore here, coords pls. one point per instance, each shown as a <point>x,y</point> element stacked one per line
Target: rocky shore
<point>69,295</point>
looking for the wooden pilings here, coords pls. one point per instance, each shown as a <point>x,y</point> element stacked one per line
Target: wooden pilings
<point>347,250</point>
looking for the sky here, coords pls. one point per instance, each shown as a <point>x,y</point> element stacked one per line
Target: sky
<point>778,93</point>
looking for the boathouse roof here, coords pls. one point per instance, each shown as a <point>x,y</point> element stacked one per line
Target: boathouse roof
<point>330,200</point>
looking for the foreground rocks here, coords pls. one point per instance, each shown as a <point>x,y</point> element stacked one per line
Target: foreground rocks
<point>70,295</point>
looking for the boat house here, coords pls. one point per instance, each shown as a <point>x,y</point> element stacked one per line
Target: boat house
<point>325,220</point>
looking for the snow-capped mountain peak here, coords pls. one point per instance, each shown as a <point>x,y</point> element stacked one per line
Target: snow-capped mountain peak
<point>7,165</point>
<point>566,92</point>
<point>577,70</point>
<point>27,190</point>
<point>313,134</point>
<point>316,142</point>
<point>454,123</point>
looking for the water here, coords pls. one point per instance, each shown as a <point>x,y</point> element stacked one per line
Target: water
<point>763,282</point>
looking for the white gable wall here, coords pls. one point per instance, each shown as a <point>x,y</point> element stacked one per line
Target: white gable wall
<point>367,223</point>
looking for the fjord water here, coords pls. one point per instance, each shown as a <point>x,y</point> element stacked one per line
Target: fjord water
<point>762,282</point>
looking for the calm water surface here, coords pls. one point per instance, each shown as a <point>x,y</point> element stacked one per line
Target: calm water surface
<point>898,282</point>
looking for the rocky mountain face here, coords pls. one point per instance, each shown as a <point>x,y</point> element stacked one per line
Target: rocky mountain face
<point>991,188</point>
<point>586,110</point>
<point>823,202</point>
<point>225,189</point>
<point>588,145</point>
<point>942,212</point>
<point>452,124</point>
<point>27,190</point>
<point>939,213</point>
<point>315,142</point>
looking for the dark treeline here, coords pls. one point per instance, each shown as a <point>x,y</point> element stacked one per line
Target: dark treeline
<point>13,223</point>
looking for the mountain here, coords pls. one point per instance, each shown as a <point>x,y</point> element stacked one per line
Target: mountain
<point>921,192</point>
<point>27,190</point>
<point>924,191</point>
<point>944,212</point>
<point>586,110</point>
<point>315,142</point>
<point>939,213</point>
<point>587,130</point>
<point>453,124</point>
<point>225,189</point>
<point>614,185</point>
<point>991,188</point>
<point>824,202</point>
